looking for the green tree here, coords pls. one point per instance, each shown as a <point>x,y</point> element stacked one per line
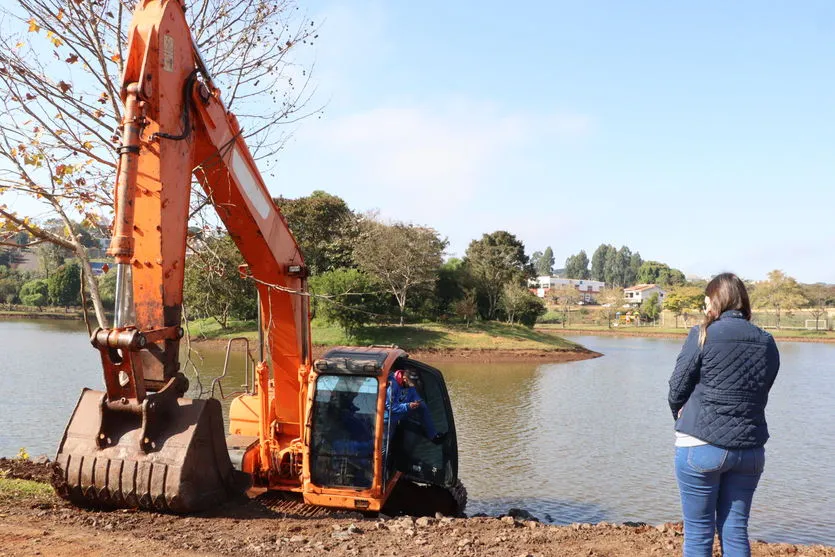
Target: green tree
<point>65,285</point>
<point>324,227</point>
<point>577,266</point>
<point>543,262</point>
<point>50,257</point>
<point>348,298</point>
<point>683,299</point>
<point>35,293</point>
<point>400,256</point>
<point>779,292</point>
<point>624,261</point>
<point>493,261</point>
<point>213,286</point>
<point>651,307</point>
<point>821,296</point>
<point>10,283</point>
<point>520,305</point>
<point>467,307</point>
<point>598,262</point>
<point>635,263</point>
<point>450,286</point>
<point>564,296</point>
<point>611,299</point>
<point>653,272</point>
<point>614,268</point>
<point>107,289</point>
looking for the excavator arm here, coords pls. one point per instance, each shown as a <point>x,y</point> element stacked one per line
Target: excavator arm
<point>139,442</point>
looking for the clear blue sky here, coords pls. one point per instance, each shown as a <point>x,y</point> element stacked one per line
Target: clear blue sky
<point>701,134</point>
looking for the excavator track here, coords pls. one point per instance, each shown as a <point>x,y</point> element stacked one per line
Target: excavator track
<point>409,498</point>
<point>291,505</point>
<point>420,499</point>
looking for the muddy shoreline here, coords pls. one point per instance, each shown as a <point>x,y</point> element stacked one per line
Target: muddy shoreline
<point>42,524</point>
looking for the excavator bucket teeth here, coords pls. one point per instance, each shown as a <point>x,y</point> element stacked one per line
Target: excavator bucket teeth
<point>186,470</point>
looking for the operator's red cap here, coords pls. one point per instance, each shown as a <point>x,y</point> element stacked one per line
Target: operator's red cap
<point>400,376</point>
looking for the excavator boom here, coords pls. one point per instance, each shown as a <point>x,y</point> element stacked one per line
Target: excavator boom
<point>140,443</point>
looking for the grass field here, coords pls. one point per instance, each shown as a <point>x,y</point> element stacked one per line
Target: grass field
<point>426,336</point>
<point>11,490</point>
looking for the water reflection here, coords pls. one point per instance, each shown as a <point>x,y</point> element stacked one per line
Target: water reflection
<point>582,441</point>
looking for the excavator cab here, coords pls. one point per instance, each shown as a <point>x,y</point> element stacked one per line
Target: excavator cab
<point>412,452</point>
<point>356,460</point>
<point>343,431</point>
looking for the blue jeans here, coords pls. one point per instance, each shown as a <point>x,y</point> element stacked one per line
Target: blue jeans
<point>717,486</point>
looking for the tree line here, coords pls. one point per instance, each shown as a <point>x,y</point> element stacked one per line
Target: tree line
<point>364,271</point>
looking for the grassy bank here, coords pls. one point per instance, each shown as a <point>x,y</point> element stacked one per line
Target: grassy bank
<point>786,334</point>
<point>15,490</point>
<point>424,336</point>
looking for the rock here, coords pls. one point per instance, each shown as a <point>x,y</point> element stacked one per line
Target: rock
<point>409,532</point>
<point>299,539</point>
<point>439,516</point>
<point>382,516</point>
<point>662,528</point>
<point>43,459</point>
<point>532,524</point>
<point>352,529</point>
<point>508,520</point>
<point>465,542</point>
<point>424,521</point>
<point>420,541</point>
<point>634,524</point>
<point>548,517</point>
<point>521,514</point>
<point>341,535</point>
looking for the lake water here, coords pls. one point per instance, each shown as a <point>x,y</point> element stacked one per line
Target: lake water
<point>583,441</point>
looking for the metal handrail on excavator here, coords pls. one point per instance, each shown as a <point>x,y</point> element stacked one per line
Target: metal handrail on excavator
<point>249,371</point>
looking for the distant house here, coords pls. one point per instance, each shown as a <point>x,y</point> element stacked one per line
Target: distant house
<point>635,295</point>
<point>587,288</point>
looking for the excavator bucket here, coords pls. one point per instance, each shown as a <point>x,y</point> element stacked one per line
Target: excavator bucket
<point>106,459</point>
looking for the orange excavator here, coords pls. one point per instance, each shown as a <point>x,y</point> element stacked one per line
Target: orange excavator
<point>315,432</point>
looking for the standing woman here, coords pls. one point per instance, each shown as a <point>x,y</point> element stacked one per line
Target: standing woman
<point>718,394</point>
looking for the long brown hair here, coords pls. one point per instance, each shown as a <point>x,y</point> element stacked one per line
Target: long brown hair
<point>726,291</point>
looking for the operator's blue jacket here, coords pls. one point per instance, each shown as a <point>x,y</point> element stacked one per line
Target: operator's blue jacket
<point>397,401</point>
<point>723,387</point>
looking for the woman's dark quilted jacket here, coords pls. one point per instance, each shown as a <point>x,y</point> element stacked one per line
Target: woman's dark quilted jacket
<point>724,385</point>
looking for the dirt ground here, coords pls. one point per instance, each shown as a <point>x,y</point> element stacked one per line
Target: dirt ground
<point>45,525</point>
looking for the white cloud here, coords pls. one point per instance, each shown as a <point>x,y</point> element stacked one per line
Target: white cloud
<point>447,152</point>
